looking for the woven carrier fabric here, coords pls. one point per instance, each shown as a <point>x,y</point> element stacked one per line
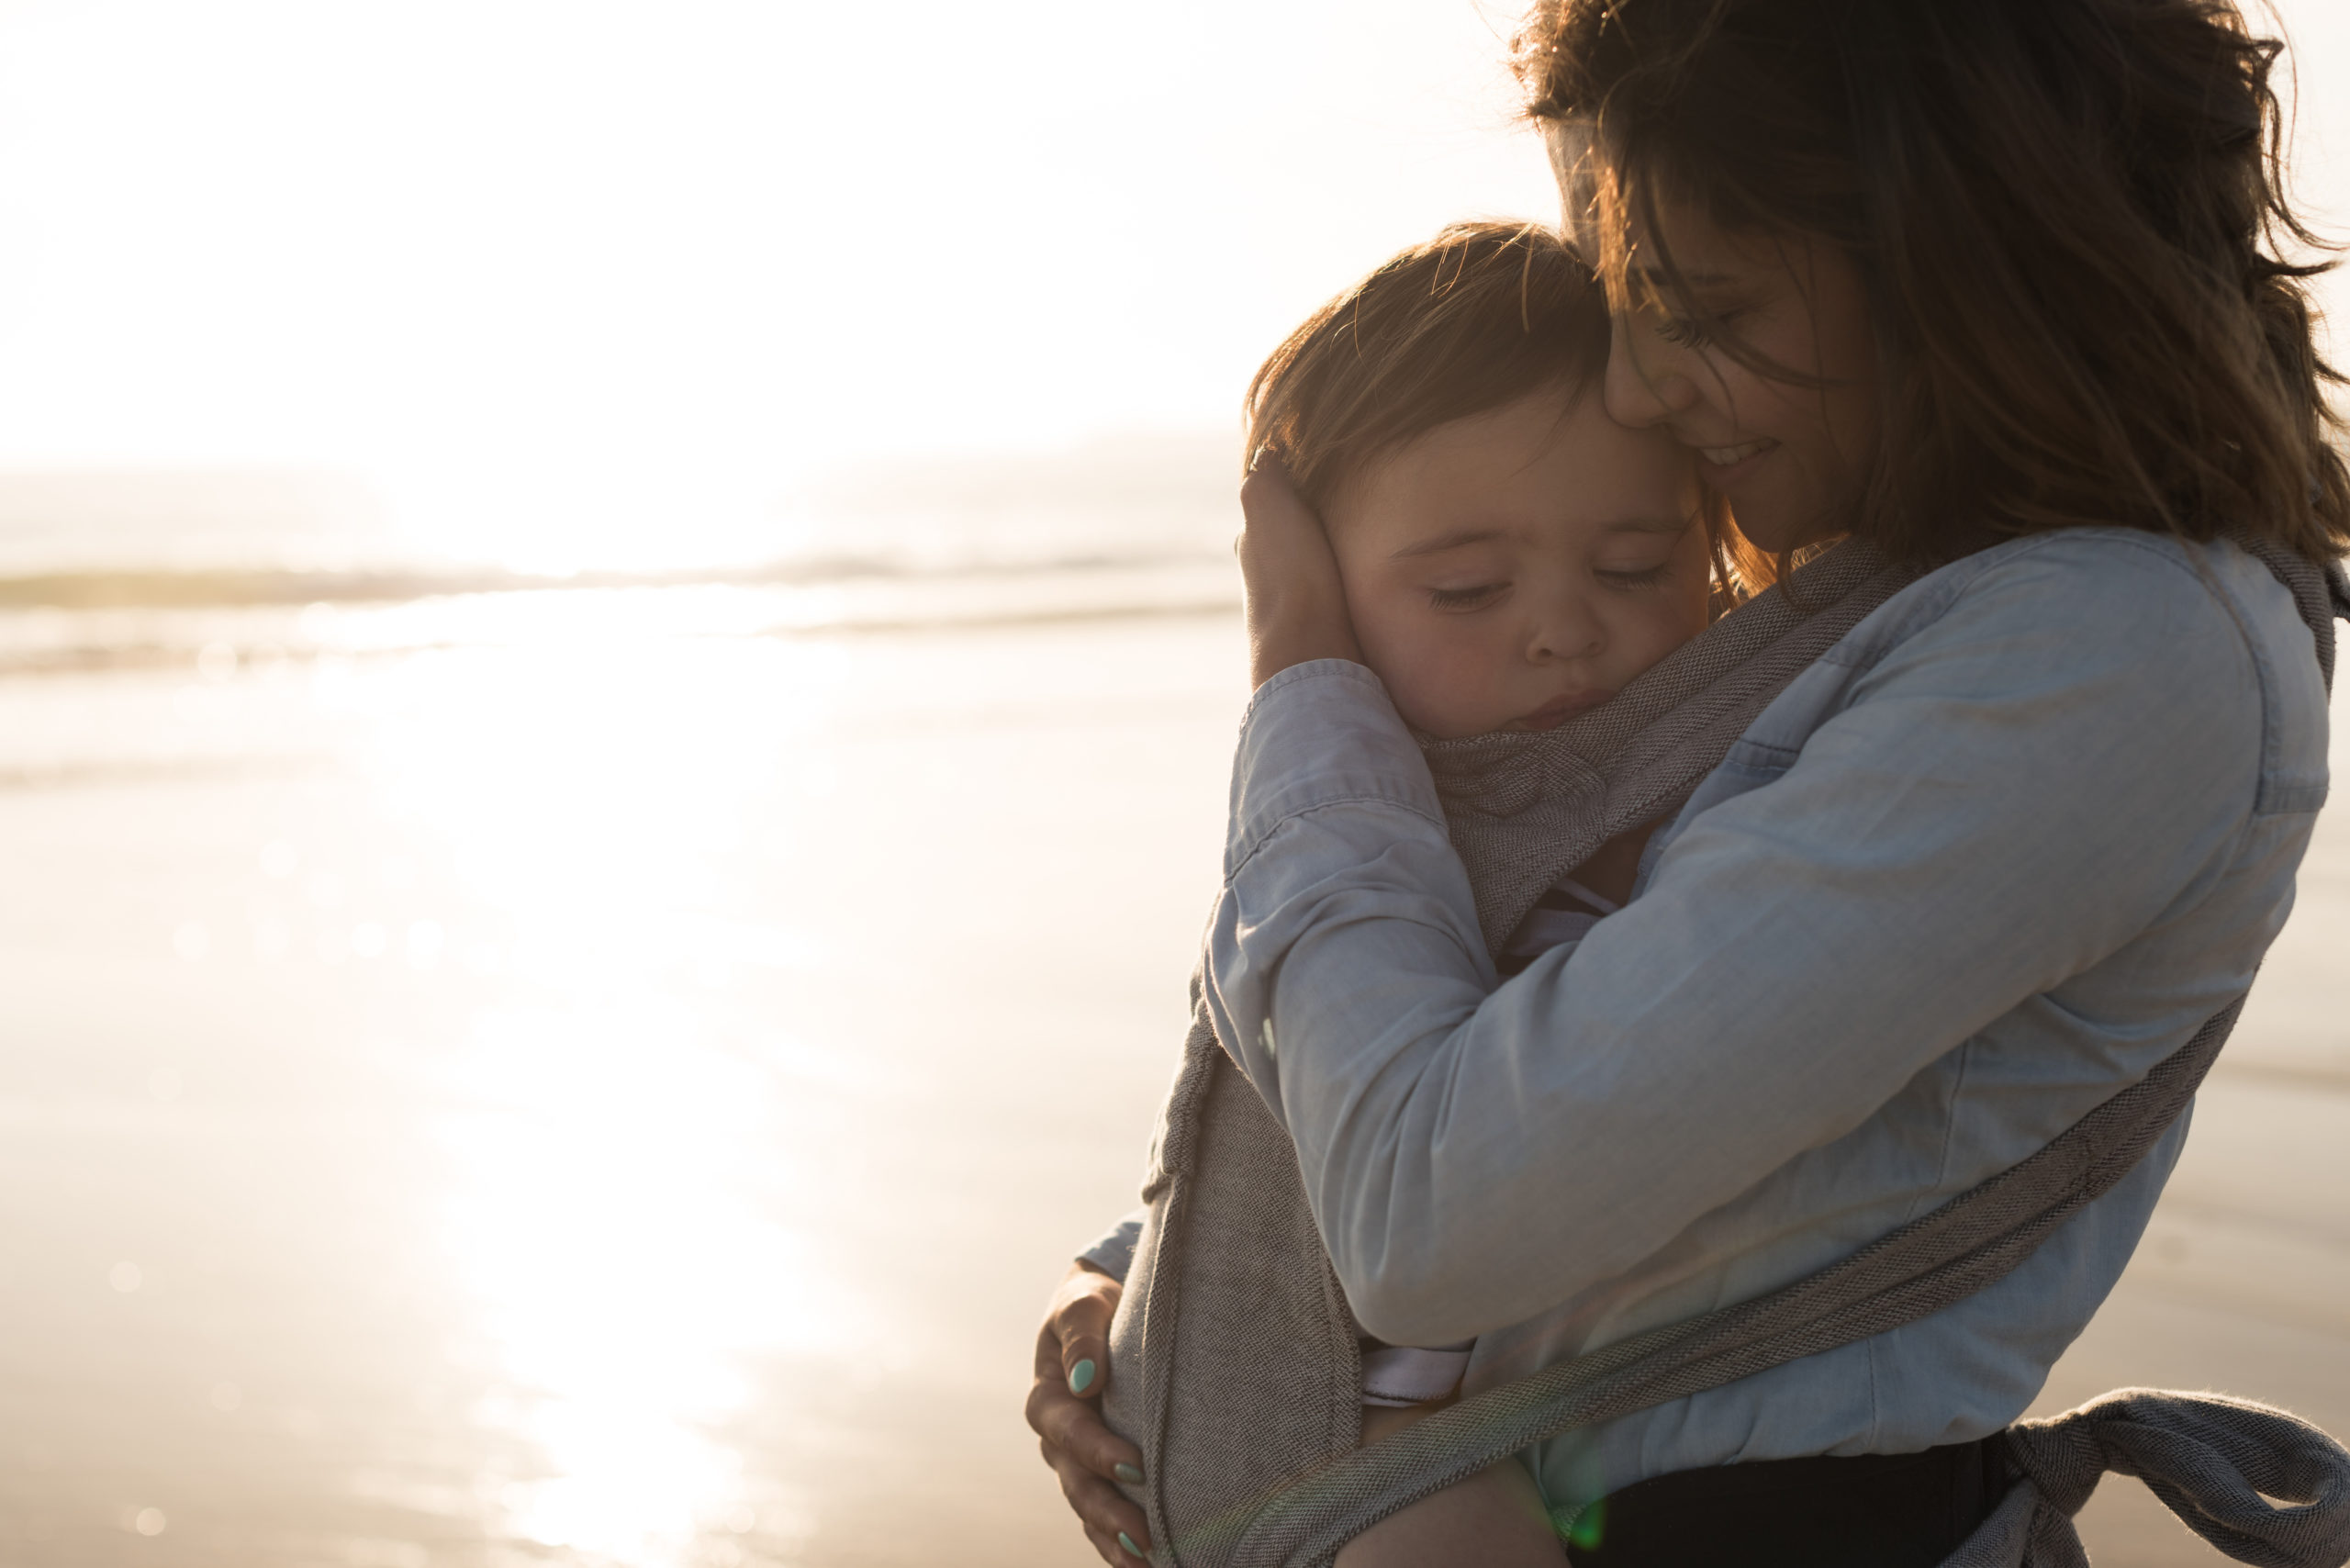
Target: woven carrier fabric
<point>1234,1359</point>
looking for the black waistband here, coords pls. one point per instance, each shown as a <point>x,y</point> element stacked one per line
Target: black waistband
<point>1908,1510</point>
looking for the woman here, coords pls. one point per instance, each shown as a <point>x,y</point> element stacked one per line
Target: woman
<point>1992,284</point>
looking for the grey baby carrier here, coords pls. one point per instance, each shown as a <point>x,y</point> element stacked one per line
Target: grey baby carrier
<point>1235,1360</point>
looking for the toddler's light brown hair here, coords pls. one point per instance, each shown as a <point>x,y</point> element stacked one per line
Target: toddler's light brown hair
<point>1484,314</point>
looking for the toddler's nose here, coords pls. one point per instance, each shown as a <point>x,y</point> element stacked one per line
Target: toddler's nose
<point>1567,632</point>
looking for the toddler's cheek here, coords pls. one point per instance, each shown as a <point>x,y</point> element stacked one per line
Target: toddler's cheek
<point>1413,703</point>
<point>1448,698</point>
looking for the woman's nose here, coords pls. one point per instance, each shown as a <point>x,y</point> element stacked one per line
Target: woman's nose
<point>1637,393</point>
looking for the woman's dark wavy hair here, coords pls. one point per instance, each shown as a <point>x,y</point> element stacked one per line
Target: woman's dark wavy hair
<point>2072,220</point>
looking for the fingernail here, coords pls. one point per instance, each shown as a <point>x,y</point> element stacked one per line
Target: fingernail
<point>1128,1473</point>
<point>1080,1376</point>
<point>1128,1541</point>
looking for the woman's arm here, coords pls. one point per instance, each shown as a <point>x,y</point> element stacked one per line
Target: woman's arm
<point>2001,800</point>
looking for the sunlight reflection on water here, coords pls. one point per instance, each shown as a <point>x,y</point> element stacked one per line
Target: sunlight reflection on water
<point>588,799</point>
<point>483,1103</point>
<point>600,1216</point>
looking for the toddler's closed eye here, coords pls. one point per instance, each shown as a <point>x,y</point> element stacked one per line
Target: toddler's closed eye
<point>1475,598</point>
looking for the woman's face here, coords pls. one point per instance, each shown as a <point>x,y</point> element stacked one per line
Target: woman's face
<point>1791,455</point>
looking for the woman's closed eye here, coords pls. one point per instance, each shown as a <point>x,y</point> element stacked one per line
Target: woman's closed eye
<point>1683,333</point>
<point>1690,332</point>
<point>1476,596</point>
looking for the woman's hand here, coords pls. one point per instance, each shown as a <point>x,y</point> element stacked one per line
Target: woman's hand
<point>1072,1368</point>
<point>1297,608</point>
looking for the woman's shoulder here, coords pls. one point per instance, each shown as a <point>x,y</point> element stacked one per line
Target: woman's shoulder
<point>2110,592</point>
<point>2127,581</point>
<point>2210,639</point>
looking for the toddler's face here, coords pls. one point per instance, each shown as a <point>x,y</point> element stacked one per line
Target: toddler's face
<point>1511,570</point>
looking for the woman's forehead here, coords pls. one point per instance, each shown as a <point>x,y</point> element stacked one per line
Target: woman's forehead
<point>1628,221</point>
<point>1610,213</point>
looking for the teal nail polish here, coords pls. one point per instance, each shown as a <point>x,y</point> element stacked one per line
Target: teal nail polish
<point>1128,1541</point>
<point>1080,1376</point>
<point>1128,1473</point>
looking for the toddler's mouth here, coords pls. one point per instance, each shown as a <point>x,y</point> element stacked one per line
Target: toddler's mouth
<point>1559,709</point>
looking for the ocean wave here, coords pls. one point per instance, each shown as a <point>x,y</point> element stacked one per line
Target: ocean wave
<point>208,588</point>
<point>225,624</point>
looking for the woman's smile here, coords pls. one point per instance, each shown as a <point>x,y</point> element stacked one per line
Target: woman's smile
<point>1724,457</point>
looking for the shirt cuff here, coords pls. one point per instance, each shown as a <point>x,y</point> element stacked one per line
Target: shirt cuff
<point>1114,1253</point>
<point>1317,734</point>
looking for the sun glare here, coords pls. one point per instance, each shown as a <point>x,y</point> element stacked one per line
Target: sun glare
<point>611,1152</point>
<point>596,285</point>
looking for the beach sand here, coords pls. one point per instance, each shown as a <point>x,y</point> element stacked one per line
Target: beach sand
<point>619,1098</point>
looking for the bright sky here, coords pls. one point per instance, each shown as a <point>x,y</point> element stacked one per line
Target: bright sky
<point>579,281</point>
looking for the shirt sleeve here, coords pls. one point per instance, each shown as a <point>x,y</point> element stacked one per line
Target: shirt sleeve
<point>1115,1254</point>
<point>2005,798</point>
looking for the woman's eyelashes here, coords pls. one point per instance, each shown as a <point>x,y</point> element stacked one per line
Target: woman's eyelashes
<point>1684,331</point>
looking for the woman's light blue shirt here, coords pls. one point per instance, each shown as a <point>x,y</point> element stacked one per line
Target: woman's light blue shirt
<point>2002,849</point>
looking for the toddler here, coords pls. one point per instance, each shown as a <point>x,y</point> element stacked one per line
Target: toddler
<point>1511,558</point>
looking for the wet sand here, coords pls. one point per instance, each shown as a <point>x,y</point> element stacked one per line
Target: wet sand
<point>617,1098</point>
